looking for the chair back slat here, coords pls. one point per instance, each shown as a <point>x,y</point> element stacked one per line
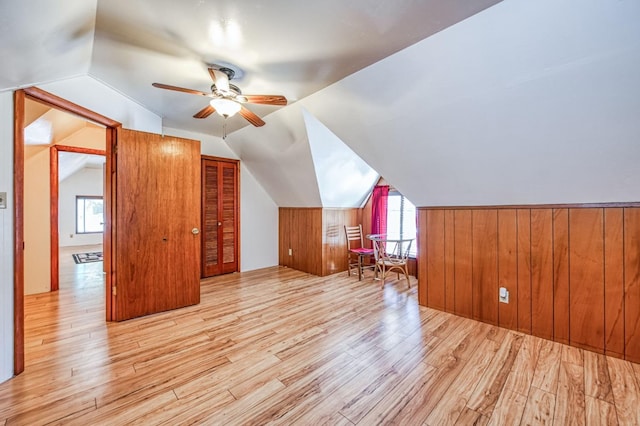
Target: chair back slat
<point>354,233</point>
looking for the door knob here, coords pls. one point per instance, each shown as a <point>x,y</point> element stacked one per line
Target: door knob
<point>195,231</point>
<point>219,223</point>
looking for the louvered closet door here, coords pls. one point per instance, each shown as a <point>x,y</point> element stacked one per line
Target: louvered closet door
<point>219,217</point>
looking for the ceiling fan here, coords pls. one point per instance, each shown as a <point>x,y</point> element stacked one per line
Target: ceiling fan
<point>226,98</point>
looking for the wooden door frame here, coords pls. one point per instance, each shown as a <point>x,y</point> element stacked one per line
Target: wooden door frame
<point>236,163</point>
<point>39,95</point>
<point>54,188</point>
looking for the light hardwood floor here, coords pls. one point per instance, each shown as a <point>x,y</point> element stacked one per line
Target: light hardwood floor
<point>280,346</point>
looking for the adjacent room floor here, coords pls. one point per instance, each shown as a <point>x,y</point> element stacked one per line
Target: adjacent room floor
<point>282,346</point>
<point>82,275</point>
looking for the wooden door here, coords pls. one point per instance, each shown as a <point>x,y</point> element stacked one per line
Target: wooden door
<point>156,249</point>
<point>219,216</point>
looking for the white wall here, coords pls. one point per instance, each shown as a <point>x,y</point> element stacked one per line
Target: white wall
<point>258,212</point>
<point>259,224</point>
<point>6,236</point>
<point>86,181</point>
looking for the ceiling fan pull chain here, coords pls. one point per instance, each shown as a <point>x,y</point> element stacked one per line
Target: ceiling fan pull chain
<point>224,129</point>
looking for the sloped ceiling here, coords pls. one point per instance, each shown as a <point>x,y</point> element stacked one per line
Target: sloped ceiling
<point>281,47</point>
<point>43,41</point>
<point>344,180</point>
<point>51,126</point>
<point>524,102</point>
<point>45,126</point>
<point>495,111</point>
<point>279,156</point>
<point>72,162</point>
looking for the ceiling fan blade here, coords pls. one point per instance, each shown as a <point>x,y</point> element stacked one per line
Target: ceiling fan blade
<point>251,117</point>
<point>220,79</point>
<point>205,112</point>
<point>266,99</point>
<point>181,89</point>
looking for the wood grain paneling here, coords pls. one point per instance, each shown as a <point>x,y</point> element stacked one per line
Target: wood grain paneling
<point>542,273</point>
<point>561,275</point>
<point>423,232</point>
<point>613,282</point>
<point>586,247</point>
<point>54,240</point>
<point>463,258</point>
<point>157,255</point>
<point>524,270</point>
<point>109,238</point>
<point>485,265</point>
<point>285,218</point>
<point>301,231</point>
<point>18,231</point>
<point>508,267</point>
<point>435,259</point>
<point>576,270</point>
<point>316,238</point>
<point>449,261</point>
<point>632,284</point>
<point>334,244</point>
<point>307,241</point>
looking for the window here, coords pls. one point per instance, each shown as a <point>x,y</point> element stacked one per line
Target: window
<point>89,214</point>
<point>401,218</point>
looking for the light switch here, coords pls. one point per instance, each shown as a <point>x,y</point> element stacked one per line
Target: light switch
<point>3,200</point>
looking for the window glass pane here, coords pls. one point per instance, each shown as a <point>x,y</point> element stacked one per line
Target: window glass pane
<point>409,224</point>
<point>89,214</point>
<point>401,219</point>
<point>80,215</point>
<point>393,214</point>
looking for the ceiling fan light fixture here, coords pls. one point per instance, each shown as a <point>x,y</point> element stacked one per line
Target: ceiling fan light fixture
<point>225,107</point>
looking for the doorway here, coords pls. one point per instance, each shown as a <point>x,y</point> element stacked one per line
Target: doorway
<point>50,100</point>
<point>158,252</point>
<point>77,205</point>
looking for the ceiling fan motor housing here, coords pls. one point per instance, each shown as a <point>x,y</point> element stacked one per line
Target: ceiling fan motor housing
<point>228,71</point>
<point>232,88</point>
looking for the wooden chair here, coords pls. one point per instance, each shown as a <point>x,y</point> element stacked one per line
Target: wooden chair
<point>392,256</point>
<point>356,251</point>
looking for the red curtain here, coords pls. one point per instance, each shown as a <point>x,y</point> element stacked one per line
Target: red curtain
<point>379,209</point>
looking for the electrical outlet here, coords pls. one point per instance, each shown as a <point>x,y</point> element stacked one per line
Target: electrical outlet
<point>503,297</point>
<point>3,200</point>
<point>290,252</point>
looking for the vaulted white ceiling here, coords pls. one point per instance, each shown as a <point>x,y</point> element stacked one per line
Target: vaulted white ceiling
<point>278,47</point>
<point>455,103</point>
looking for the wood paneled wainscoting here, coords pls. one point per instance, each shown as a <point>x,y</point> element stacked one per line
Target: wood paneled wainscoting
<point>572,272</point>
<point>315,238</point>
